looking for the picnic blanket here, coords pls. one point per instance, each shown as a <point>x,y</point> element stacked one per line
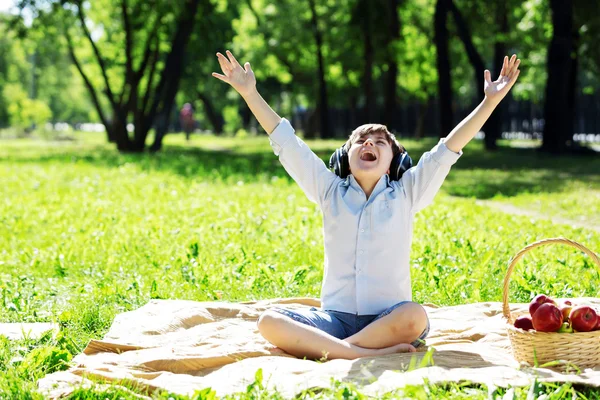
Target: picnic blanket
<point>183,346</point>
<point>27,330</point>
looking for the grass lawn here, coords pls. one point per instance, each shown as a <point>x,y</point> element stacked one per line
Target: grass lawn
<point>87,233</point>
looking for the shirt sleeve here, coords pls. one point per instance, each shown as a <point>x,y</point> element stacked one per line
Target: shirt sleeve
<point>304,166</point>
<point>423,181</point>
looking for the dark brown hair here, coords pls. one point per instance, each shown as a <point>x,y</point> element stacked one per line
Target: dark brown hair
<point>366,129</point>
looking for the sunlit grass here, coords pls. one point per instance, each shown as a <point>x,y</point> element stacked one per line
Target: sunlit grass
<point>86,233</point>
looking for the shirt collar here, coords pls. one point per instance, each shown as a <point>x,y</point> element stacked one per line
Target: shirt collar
<point>383,183</point>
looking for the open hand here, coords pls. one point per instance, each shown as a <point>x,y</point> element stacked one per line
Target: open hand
<point>508,76</point>
<point>241,79</point>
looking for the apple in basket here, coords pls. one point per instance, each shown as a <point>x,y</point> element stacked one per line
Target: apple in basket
<point>566,308</point>
<point>538,301</point>
<point>524,322</point>
<point>547,318</point>
<point>565,328</point>
<point>583,318</point>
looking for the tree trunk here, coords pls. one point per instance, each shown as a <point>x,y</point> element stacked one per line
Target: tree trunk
<point>354,110</point>
<point>161,125</point>
<point>246,115</point>
<point>390,91</point>
<point>171,75</point>
<point>493,127</point>
<point>443,67</point>
<point>216,120</point>
<point>312,124</point>
<point>556,127</point>
<point>110,133</point>
<point>572,94</point>
<point>325,128</point>
<point>121,135</point>
<point>363,11</point>
<point>474,57</point>
<point>421,114</point>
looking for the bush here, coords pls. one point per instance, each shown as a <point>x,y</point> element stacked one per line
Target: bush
<point>23,112</point>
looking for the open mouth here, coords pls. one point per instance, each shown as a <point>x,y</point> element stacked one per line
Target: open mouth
<point>368,156</point>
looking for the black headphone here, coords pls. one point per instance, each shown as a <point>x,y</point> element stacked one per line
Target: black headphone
<point>338,162</point>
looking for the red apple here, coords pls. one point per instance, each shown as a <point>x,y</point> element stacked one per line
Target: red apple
<point>524,322</point>
<point>538,301</point>
<point>597,327</point>
<point>583,318</point>
<point>547,318</point>
<point>566,311</point>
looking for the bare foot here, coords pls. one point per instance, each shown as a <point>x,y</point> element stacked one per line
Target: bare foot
<point>399,348</point>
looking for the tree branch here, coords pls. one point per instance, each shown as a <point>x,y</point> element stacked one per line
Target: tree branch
<point>99,58</point>
<point>298,75</point>
<point>466,38</point>
<point>86,80</point>
<point>147,51</point>
<point>148,93</point>
<point>128,40</point>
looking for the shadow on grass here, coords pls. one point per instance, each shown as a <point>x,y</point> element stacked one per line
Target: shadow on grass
<point>509,171</point>
<point>513,171</point>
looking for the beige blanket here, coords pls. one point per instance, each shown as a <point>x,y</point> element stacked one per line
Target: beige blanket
<point>183,346</point>
<point>27,330</point>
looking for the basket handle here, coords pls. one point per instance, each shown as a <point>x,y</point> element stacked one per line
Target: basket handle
<point>520,254</point>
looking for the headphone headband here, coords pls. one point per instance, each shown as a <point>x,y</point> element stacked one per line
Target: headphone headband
<point>340,164</point>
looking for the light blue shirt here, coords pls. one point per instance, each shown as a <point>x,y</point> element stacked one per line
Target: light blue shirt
<point>367,242</point>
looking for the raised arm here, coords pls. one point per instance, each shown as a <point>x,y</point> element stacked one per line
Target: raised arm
<point>244,82</point>
<point>494,93</point>
<point>297,158</point>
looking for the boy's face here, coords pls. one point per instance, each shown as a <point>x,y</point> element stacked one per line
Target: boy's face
<point>370,156</point>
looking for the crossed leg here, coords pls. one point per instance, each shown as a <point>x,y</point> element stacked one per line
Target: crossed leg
<point>389,334</point>
<point>403,325</point>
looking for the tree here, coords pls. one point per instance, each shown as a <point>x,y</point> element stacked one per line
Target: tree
<point>392,59</point>
<point>493,127</point>
<point>139,85</point>
<point>363,16</point>
<point>416,53</point>
<point>442,8</point>
<point>323,104</point>
<point>36,82</point>
<point>558,129</point>
<point>285,41</point>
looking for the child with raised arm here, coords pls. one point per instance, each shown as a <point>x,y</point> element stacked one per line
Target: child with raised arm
<point>368,207</point>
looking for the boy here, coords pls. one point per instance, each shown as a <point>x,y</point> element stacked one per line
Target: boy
<point>367,219</point>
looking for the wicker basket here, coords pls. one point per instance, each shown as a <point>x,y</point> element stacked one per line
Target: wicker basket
<point>581,349</point>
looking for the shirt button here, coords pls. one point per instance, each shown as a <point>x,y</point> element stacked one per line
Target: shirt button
<point>360,252</point>
<point>362,230</point>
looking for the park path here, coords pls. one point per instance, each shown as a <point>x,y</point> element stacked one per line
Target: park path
<point>511,209</point>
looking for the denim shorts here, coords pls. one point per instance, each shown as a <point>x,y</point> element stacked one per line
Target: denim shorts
<point>341,324</point>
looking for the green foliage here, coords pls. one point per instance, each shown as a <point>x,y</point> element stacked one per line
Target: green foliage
<point>535,31</point>
<point>233,120</point>
<point>89,233</point>
<point>277,37</point>
<point>44,360</point>
<point>416,52</point>
<point>37,83</point>
<point>24,112</point>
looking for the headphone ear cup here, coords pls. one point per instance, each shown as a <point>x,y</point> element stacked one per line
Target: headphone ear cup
<point>338,162</point>
<point>344,163</point>
<point>399,165</point>
<point>333,164</point>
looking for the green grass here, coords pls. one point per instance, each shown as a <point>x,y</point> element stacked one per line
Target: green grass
<point>87,233</point>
